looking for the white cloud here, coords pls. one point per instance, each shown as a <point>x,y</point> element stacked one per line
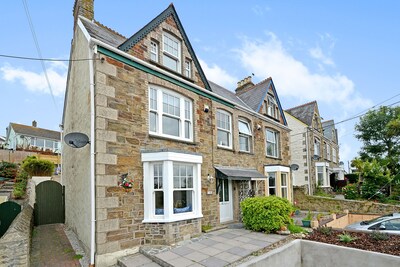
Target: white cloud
<point>215,74</point>
<point>260,10</point>
<point>317,53</point>
<point>36,82</point>
<point>269,58</point>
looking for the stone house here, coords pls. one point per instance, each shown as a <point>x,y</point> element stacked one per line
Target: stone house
<point>314,148</point>
<point>188,149</point>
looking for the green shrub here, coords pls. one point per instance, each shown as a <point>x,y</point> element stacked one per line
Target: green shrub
<point>20,184</point>
<point>295,229</point>
<point>37,167</point>
<point>8,169</point>
<point>266,214</point>
<point>350,191</point>
<point>325,230</point>
<point>376,235</point>
<point>346,238</point>
<point>352,178</point>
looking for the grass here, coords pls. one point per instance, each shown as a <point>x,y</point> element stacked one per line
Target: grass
<point>205,228</point>
<point>295,229</point>
<point>78,257</point>
<point>346,238</point>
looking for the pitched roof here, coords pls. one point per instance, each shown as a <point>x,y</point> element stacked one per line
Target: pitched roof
<point>35,131</point>
<point>225,93</point>
<point>256,94</point>
<point>304,112</point>
<point>103,33</point>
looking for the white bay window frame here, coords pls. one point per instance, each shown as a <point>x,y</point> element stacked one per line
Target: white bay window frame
<point>182,113</point>
<point>168,159</point>
<point>322,170</point>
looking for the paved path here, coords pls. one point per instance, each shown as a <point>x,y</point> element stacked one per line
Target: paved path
<point>51,247</point>
<point>214,249</point>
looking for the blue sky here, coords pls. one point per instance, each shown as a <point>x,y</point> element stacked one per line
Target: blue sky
<point>344,54</point>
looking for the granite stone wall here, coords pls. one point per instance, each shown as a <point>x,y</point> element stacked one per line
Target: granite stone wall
<point>15,244</point>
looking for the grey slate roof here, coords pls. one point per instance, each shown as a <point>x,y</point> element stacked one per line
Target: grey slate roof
<point>35,131</point>
<point>103,33</point>
<point>225,93</point>
<point>256,95</point>
<point>235,173</point>
<point>304,112</point>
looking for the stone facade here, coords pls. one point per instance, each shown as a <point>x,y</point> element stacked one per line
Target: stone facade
<point>15,244</point>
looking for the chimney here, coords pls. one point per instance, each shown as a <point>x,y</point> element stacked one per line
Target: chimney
<point>83,8</point>
<point>34,123</point>
<point>244,85</point>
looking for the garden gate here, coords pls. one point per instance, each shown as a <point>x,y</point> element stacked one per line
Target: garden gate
<point>8,211</point>
<point>50,203</point>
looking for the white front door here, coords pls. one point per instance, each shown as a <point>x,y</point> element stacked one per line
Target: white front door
<point>225,201</point>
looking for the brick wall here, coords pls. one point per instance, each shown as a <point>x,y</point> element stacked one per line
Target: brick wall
<point>15,244</point>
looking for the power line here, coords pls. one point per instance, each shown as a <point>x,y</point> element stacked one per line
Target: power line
<point>46,59</point>
<point>38,50</point>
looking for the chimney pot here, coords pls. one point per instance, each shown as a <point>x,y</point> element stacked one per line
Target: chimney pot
<point>34,123</point>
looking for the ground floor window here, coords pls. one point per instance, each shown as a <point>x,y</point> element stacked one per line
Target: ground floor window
<point>278,182</point>
<point>172,186</point>
<point>322,174</point>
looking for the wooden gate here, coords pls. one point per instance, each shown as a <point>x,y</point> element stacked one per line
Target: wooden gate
<point>8,211</point>
<point>50,203</point>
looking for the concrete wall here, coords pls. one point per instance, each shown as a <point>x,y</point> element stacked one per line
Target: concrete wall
<point>315,203</point>
<point>306,253</point>
<point>76,161</point>
<point>15,244</point>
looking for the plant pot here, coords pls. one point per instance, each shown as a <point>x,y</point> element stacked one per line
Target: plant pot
<point>306,223</point>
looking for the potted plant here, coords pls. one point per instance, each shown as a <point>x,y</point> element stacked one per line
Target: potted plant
<point>307,220</point>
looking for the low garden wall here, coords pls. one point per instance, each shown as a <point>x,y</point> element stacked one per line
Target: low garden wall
<point>16,242</point>
<point>326,204</point>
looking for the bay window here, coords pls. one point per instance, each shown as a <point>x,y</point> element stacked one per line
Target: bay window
<point>224,129</point>
<point>322,174</point>
<point>172,186</point>
<point>272,183</point>
<point>170,114</point>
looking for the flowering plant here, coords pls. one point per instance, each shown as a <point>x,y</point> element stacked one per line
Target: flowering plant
<point>125,183</point>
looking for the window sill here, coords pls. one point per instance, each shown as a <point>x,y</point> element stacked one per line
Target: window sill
<point>272,157</point>
<point>225,148</point>
<point>245,152</point>
<point>152,135</point>
<point>175,218</point>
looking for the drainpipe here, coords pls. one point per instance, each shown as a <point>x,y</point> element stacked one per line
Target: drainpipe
<point>92,51</point>
<point>308,162</point>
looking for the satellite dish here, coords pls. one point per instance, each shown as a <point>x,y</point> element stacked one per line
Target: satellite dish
<point>294,167</point>
<point>76,140</point>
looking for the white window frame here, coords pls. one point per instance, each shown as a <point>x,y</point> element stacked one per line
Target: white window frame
<point>227,129</point>
<point>317,146</point>
<point>334,155</point>
<point>328,151</point>
<point>278,170</point>
<point>166,53</point>
<point>185,118</point>
<point>168,159</point>
<point>275,143</point>
<point>272,187</point>
<point>325,176</point>
<point>272,107</point>
<point>154,51</point>
<point>284,187</point>
<point>188,68</point>
<point>248,135</point>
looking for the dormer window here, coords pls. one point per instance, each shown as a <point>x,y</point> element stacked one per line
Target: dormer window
<point>272,107</point>
<point>154,51</point>
<point>171,52</point>
<point>188,68</point>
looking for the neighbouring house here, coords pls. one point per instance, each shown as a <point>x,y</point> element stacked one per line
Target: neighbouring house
<point>186,149</point>
<point>2,141</point>
<point>314,148</point>
<point>32,138</point>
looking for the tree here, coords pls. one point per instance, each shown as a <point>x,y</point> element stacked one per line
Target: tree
<point>379,131</point>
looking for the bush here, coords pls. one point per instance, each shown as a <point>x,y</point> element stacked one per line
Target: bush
<point>350,191</point>
<point>20,185</point>
<point>376,235</point>
<point>352,177</point>
<point>295,229</point>
<point>8,169</point>
<point>37,167</point>
<point>266,214</point>
<point>325,230</point>
<point>346,238</point>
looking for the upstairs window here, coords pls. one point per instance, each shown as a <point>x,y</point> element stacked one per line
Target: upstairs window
<point>154,51</point>
<point>328,152</point>
<point>317,146</point>
<point>224,129</point>
<point>334,155</point>
<point>244,136</point>
<point>170,114</point>
<point>272,143</point>
<point>272,107</point>
<point>171,52</point>
<point>188,68</point>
